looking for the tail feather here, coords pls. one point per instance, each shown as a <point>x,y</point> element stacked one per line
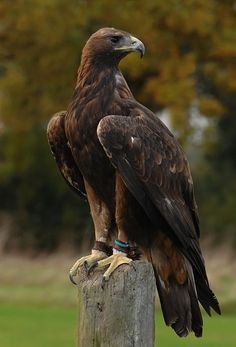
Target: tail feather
<point>181,286</point>
<point>206,297</point>
<point>180,305</point>
<point>197,322</point>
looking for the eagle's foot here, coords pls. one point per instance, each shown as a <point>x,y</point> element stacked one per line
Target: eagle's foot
<point>114,261</point>
<point>88,261</point>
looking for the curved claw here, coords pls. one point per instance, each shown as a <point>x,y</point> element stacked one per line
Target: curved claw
<point>89,262</point>
<point>104,280</point>
<point>91,267</point>
<point>71,277</point>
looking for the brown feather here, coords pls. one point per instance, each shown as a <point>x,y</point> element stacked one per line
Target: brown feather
<point>133,163</point>
<point>62,154</point>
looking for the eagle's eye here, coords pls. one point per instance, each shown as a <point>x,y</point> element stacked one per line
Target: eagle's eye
<point>115,38</point>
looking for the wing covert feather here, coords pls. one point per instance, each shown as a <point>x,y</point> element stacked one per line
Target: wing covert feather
<point>62,154</point>
<point>152,163</point>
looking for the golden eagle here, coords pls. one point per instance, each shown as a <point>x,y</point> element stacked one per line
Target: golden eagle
<point>117,154</point>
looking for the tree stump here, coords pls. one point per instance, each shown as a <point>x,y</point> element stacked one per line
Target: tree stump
<point>119,313</point>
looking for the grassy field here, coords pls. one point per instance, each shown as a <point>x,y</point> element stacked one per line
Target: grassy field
<point>38,308</point>
<point>32,326</point>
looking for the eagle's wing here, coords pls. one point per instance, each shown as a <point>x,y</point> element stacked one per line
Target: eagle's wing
<point>154,167</point>
<point>62,154</point>
<point>155,170</point>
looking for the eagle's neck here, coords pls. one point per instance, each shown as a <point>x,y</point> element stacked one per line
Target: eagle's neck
<point>92,72</point>
<point>100,79</point>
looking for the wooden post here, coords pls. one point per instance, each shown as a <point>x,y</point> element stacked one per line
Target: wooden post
<point>120,313</point>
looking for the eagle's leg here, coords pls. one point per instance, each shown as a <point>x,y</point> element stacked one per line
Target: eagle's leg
<point>102,220</point>
<point>123,246</point>
<point>119,257</point>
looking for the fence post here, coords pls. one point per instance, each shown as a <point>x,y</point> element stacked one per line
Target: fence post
<point>120,313</point>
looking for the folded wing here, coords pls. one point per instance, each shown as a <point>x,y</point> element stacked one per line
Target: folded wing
<point>154,168</point>
<point>62,154</point>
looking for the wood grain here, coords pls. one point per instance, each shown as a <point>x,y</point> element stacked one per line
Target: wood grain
<point>120,313</point>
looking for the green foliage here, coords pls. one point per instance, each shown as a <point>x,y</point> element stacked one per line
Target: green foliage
<point>32,189</point>
<point>190,59</point>
<point>216,195</point>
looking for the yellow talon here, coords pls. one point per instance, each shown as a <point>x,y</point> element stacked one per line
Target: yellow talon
<point>114,261</point>
<point>88,261</point>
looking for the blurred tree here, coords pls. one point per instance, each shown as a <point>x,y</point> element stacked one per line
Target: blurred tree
<point>37,80</point>
<point>216,78</point>
<point>190,61</point>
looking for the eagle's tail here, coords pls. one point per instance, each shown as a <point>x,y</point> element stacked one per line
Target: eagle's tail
<point>178,298</point>
<point>205,295</point>
<point>180,306</point>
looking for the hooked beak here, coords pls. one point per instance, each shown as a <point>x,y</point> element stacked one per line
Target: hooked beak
<point>135,45</point>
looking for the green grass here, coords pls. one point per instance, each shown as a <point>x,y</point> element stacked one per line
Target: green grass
<point>32,326</point>
<point>46,326</point>
<point>218,332</point>
<point>38,306</point>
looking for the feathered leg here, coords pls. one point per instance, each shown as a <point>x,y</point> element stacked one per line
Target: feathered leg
<point>102,219</point>
<point>121,252</point>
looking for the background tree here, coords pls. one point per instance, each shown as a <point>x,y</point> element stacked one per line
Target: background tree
<point>189,72</point>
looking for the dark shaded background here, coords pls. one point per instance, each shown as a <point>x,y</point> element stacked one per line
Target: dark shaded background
<point>188,75</point>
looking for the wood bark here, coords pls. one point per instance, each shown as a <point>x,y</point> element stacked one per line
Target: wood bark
<point>120,312</point>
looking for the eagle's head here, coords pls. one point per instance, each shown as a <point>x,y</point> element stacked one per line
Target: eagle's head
<point>111,45</point>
